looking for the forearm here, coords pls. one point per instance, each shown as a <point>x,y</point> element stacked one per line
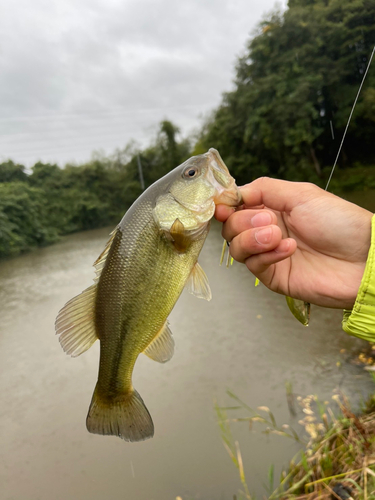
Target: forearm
<point>360,321</point>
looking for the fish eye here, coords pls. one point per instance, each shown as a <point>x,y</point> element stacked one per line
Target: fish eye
<point>191,172</point>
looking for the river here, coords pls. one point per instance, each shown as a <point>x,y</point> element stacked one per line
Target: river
<point>244,340</point>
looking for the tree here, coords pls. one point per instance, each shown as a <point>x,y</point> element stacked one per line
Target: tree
<point>12,172</point>
<point>23,218</point>
<point>294,85</point>
<point>52,201</point>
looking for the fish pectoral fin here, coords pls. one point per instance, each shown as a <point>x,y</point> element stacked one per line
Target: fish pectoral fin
<point>161,349</point>
<point>197,283</point>
<point>75,323</point>
<point>178,235</point>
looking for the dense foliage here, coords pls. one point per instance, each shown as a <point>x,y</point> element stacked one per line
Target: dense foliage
<point>36,208</point>
<point>294,89</point>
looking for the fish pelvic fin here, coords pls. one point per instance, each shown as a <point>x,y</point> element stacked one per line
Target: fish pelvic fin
<point>75,323</point>
<point>197,283</point>
<point>161,349</point>
<point>125,416</point>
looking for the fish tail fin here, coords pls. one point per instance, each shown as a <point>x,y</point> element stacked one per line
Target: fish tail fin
<point>126,417</point>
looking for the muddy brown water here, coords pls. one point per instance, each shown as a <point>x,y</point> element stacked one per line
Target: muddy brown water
<point>244,340</point>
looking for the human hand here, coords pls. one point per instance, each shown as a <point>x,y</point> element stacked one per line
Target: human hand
<point>300,240</point>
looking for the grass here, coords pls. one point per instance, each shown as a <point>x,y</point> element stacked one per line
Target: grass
<point>338,459</point>
<point>340,455</point>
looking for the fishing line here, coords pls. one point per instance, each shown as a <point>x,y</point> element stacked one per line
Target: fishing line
<point>350,116</point>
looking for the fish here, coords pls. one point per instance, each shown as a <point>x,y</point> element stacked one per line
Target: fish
<point>152,255</point>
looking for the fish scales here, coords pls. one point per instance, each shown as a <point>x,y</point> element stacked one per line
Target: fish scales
<point>132,291</point>
<point>151,256</point>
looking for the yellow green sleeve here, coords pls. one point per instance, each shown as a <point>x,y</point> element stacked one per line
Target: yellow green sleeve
<point>360,321</point>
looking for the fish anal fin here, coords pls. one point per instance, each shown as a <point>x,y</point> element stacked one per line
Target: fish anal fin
<point>178,235</point>
<point>197,283</point>
<point>75,323</point>
<point>126,416</point>
<point>161,349</point>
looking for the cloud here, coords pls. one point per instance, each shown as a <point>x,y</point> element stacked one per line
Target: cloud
<point>78,76</point>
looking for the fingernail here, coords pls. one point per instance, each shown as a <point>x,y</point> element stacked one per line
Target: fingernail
<point>285,245</point>
<point>263,236</point>
<point>261,219</point>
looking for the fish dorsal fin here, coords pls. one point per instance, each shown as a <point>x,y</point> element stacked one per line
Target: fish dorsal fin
<point>197,283</point>
<point>75,323</point>
<point>161,348</point>
<point>100,261</point>
<point>178,235</point>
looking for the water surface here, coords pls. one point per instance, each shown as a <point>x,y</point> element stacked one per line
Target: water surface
<point>245,340</point>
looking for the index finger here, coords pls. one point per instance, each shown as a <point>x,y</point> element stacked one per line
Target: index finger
<point>223,212</point>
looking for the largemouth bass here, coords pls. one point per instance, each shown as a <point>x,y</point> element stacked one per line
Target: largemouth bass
<point>151,256</point>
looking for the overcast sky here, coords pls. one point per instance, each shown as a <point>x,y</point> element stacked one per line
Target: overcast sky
<point>84,75</point>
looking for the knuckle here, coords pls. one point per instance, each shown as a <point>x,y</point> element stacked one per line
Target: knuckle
<point>238,223</point>
<point>310,187</point>
<point>251,265</point>
<point>261,180</point>
<point>234,252</point>
<point>238,248</point>
<point>273,216</point>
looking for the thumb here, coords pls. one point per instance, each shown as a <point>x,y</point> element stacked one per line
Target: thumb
<point>276,194</point>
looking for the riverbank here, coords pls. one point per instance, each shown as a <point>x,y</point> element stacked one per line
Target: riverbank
<point>358,178</point>
<point>337,461</point>
<point>52,203</point>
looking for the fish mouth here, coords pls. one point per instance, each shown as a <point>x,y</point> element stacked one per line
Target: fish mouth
<point>227,192</point>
